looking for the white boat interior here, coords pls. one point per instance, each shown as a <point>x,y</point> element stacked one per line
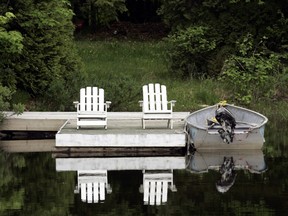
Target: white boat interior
<point>245,118</point>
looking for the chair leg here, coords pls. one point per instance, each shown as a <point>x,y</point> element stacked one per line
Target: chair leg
<point>170,123</point>
<point>106,123</point>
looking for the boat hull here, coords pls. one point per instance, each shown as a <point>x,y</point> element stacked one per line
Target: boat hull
<point>248,134</point>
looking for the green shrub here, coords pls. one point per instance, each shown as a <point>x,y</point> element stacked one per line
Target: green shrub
<point>122,91</point>
<point>254,73</point>
<point>47,50</point>
<point>5,102</point>
<point>102,12</point>
<point>188,50</point>
<point>11,46</point>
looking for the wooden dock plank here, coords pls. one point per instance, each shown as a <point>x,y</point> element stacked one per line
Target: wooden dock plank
<point>124,130</point>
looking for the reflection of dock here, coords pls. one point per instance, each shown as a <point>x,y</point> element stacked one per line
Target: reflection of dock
<point>48,145</point>
<point>18,146</point>
<point>120,163</point>
<point>92,175</point>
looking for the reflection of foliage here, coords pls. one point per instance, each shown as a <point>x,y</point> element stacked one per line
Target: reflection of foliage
<point>46,191</point>
<point>12,193</point>
<point>200,197</point>
<point>30,183</point>
<point>276,138</point>
<point>15,201</point>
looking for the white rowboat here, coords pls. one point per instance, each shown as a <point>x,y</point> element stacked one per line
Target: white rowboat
<point>247,134</point>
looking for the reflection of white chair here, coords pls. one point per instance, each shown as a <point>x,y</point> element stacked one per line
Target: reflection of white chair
<point>155,104</point>
<point>155,186</point>
<point>92,185</point>
<point>92,110</point>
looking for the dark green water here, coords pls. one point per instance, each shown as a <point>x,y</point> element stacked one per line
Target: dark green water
<point>31,184</point>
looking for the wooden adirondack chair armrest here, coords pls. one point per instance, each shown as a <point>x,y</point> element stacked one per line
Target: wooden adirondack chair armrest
<point>140,103</point>
<point>108,103</point>
<point>172,102</point>
<point>75,103</point>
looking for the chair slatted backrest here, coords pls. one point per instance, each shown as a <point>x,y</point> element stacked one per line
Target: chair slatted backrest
<point>92,99</point>
<point>155,187</point>
<point>92,192</point>
<point>154,98</point>
<point>155,192</point>
<point>92,185</point>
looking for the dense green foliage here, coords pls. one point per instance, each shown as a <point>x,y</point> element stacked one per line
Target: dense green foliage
<point>227,22</point>
<point>5,102</point>
<point>45,65</point>
<point>99,12</point>
<point>188,50</point>
<point>10,46</point>
<point>207,40</point>
<point>255,73</point>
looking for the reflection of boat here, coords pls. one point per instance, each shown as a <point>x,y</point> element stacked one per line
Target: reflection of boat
<point>236,128</point>
<point>227,163</point>
<point>202,161</point>
<point>93,175</point>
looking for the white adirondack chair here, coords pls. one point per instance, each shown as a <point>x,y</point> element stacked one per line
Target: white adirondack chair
<point>92,110</point>
<point>93,185</point>
<point>155,186</point>
<point>155,104</point>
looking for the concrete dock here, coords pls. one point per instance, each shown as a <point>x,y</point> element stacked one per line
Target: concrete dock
<point>124,130</point>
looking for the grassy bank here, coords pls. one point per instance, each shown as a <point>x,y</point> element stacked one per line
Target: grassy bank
<point>123,67</point>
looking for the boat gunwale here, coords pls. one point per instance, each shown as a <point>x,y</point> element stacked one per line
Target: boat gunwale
<point>213,106</point>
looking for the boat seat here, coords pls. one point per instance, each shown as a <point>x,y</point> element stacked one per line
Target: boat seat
<point>242,127</point>
<point>214,130</point>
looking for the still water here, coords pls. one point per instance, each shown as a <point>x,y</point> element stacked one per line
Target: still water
<point>50,184</point>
